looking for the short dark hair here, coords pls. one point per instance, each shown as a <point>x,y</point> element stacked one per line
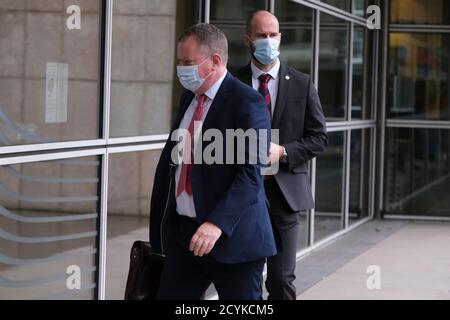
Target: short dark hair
<point>209,37</point>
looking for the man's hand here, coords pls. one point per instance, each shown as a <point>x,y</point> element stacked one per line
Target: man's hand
<point>276,151</point>
<point>204,239</point>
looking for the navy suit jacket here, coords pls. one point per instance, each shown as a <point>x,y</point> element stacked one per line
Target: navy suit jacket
<point>231,196</point>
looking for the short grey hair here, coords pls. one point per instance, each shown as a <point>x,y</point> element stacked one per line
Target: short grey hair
<point>209,37</point>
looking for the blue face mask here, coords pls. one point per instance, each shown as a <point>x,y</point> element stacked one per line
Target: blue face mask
<point>190,78</point>
<point>266,50</point>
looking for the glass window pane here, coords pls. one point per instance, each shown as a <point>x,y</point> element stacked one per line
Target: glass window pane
<point>234,10</point>
<point>358,73</point>
<point>419,76</point>
<point>340,4</point>
<point>129,191</point>
<point>333,59</point>
<point>417,172</point>
<point>356,7</point>
<point>420,11</point>
<point>328,214</point>
<point>49,75</point>
<point>303,233</point>
<point>359,175</point>
<point>48,223</point>
<point>238,53</point>
<point>296,28</point>
<point>362,71</point>
<point>144,88</point>
<point>296,48</point>
<point>291,12</point>
<point>359,7</point>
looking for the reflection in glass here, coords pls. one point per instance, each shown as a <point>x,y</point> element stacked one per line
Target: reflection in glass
<point>417,180</point>
<point>291,12</point>
<point>296,29</point>
<point>420,11</point>
<point>303,234</point>
<point>296,48</point>
<point>238,53</point>
<point>48,222</point>
<point>359,175</point>
<point>361,86</point>
<point>419,76</point>
<point>359,7</point>
<point>49,75</point>
<point>333,68</point>
<point>144,38</point>
<point>129,191</point>
<point>340,4</point>
<point>328,215</point>
<point>358,73</point>
<point>234,10</point>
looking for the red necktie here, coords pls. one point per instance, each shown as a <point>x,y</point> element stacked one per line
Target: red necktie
<point>264,90</point>
<point>184,183</point>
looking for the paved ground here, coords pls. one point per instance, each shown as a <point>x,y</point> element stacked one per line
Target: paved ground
<point>413,261</point>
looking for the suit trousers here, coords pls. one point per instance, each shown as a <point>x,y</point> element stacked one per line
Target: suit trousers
<point>186,277</point>
<point>281,268</point>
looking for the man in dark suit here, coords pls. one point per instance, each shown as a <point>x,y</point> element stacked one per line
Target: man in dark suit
<point>296,112</point>
<point>211,221</point>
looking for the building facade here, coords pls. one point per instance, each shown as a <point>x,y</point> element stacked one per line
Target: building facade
<point>85,109</point>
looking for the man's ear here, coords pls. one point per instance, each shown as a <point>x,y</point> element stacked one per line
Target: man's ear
<point>247,41</point>
<point>281,39</point>
<point>217,60</point>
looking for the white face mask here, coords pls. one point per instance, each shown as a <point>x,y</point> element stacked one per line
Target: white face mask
<point>190,78</point>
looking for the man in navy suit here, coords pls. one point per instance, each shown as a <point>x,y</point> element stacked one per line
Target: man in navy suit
<point>211,220</point>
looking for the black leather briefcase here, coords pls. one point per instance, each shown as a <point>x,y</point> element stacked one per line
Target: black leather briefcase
<point>145,272</point>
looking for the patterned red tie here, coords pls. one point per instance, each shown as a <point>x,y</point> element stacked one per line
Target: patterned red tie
<point>184,183</point>
<point>264,90</point>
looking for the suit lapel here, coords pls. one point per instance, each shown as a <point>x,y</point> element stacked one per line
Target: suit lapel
<point>283,88</point>
<point>186,101</point>
<point>218,101</point>
<point>247,75</point>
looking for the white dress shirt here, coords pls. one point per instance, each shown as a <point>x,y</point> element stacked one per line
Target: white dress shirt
<point>273,83</point>
<point>185,202</point>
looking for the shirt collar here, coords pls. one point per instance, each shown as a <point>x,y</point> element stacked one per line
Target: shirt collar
<point>212,91</point>
<point>256,72</point>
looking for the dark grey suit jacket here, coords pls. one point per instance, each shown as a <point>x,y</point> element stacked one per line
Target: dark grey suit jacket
<point>302,131</point>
